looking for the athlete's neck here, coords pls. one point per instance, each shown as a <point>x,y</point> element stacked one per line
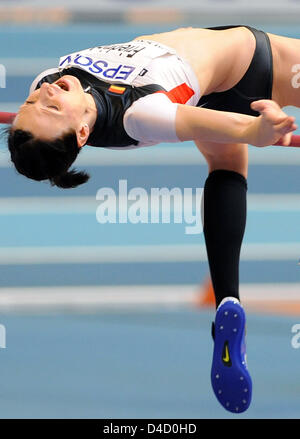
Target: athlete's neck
<point>91,111</point>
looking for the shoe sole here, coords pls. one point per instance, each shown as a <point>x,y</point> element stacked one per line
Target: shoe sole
<point>230,378</point>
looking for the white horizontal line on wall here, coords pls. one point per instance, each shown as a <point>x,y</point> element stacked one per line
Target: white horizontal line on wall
<point>166,155</point>
<point>140,254</point>
<point>93,298</point>
<point>28,66</point>
<point>89,204</point>
<point>85,297</point>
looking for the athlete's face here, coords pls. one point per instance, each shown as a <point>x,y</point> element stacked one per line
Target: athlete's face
<point>53,109</point>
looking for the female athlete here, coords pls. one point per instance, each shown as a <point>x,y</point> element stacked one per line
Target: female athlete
<point>223,88</point>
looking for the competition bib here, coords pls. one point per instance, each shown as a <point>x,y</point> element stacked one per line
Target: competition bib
<point>119,63</point>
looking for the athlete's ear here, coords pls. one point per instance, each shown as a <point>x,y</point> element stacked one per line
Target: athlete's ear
<point>82,135</point>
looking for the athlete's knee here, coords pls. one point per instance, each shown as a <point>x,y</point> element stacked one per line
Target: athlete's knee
<point>231,157</point>
<point>227,158</point>
<point>230,163</point>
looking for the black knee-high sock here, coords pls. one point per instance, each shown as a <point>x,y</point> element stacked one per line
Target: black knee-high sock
<point>225,209</point>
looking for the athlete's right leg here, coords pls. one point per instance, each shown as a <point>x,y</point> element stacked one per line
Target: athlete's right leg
<point>224,224</point>
<point>224,213</point>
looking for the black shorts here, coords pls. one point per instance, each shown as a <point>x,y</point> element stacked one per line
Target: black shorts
<point>255,84</point>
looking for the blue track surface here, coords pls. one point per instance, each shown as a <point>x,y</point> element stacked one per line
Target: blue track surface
<point>138,365</point>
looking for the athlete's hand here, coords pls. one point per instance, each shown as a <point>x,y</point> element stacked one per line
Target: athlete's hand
<point>273,124</point>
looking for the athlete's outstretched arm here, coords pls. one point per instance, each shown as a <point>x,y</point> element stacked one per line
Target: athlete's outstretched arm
<point>194,123</point>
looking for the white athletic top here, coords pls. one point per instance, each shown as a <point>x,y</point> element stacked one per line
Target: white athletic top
<point>151,118</point>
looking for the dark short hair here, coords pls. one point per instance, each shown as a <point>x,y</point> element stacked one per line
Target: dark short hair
<point>46,160</point>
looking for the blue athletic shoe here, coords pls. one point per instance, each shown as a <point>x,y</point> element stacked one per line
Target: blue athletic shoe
<point>230,378</point>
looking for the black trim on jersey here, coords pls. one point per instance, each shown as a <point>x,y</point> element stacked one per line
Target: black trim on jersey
<point>108,130</point>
